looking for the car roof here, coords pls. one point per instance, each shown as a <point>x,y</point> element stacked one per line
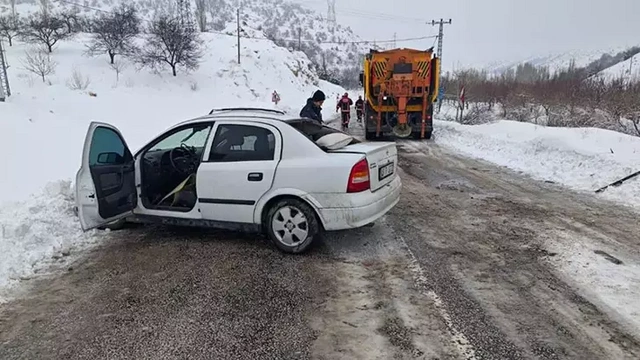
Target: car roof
<point>244,114</point>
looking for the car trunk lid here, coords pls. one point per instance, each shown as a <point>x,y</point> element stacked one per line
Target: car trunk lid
<point>382,158</point>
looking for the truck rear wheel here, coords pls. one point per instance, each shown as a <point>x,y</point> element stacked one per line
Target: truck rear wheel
<point>369,135</point>
<point>427,135</point>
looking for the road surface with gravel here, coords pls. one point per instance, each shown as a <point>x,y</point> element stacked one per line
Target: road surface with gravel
<point>458,270</point>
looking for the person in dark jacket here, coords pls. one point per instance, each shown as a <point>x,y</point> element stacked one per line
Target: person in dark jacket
<point>359,108</point>
<point>313,109</point>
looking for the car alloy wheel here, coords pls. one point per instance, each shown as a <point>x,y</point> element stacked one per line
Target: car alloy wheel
<point>292,225</point>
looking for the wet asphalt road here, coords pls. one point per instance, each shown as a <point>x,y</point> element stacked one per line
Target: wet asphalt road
<point>458,270</point>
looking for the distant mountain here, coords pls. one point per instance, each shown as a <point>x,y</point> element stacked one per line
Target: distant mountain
<point>555,62</point>
<point>628,70</point>
<point>336,52</point>
<point>607,62</point>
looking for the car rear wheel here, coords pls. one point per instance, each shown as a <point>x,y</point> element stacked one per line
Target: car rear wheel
<point>292,226</point>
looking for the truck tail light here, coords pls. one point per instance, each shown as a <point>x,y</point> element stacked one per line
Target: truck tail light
<point>359,177</point>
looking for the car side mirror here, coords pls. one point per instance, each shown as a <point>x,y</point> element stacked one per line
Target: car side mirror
<point>110,158</point>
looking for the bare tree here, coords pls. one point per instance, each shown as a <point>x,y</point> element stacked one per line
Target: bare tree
<point>12,3</point>
<point>44,7</point>
<point>10,26</point>
<point>117,67</point>
<point>46,30</point>
<point>114,33</point>
<point>38,61</point>
<point>170,42</point>
<point>71,19</point>
<point>201,14</point>
<point>77,81</point>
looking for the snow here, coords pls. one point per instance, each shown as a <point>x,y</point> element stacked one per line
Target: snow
<point>582,159</point>
<point>628,70</point>
<point>37,233</point>
<point>614,288</point>
<point>43,125</point>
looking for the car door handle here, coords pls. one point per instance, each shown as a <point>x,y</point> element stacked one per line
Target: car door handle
<point>255,176</point>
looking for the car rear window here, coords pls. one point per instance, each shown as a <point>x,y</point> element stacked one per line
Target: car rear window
<point>313,130</point>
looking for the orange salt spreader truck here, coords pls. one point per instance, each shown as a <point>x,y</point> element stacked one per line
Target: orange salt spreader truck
<point>400,88</point>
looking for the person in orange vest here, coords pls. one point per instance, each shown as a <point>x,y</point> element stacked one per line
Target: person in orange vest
<point>344,105</point>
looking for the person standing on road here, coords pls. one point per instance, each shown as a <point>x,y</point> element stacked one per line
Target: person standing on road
<point>359,107</point>
<point>313,108</point>
<point>275,97</point>
<point>344,105</point>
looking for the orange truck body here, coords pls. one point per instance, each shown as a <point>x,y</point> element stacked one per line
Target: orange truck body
<point>400,87</point>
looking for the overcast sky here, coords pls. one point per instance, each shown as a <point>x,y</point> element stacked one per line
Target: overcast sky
<point>494,30</point>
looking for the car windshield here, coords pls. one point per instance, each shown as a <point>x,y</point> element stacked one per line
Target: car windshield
<point>192,136</point>
<point>314,132</point>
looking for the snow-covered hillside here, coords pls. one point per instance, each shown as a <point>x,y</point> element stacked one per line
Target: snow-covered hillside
<point>556,62</point>
<point>43,126</point>
<point>335,51</point>
<point>628,70</point>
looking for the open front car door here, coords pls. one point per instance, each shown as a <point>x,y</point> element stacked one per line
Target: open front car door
<point>106,181</point>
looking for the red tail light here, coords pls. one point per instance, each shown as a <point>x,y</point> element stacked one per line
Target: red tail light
<point>359,177</point>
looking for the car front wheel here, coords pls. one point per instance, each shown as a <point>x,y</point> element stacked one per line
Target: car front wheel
<point>292,225</point>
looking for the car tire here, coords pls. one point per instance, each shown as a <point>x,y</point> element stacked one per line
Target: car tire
<point>292,226</point>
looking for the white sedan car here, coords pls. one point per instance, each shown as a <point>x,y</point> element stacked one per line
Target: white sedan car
<point>239,169</point>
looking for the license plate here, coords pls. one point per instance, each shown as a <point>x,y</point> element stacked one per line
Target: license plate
<point>385,171</point>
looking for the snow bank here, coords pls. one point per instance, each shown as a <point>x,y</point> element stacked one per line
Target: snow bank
<point>614,288</point>
<point>43,125</point>
<point>583,159</point>
<point>38,232</point>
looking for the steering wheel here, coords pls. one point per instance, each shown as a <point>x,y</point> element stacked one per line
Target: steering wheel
<point>183,159</point>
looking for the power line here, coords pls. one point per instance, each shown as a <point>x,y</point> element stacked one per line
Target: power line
<point>267,39</point>
<point>359,13</point>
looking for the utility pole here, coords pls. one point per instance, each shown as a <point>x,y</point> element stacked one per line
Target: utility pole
<point>441,23</point>
<point>299,38</point>
<point>394,40</point>
<point>5,90</point>
<point>331,14</point>
<point>238,20</point>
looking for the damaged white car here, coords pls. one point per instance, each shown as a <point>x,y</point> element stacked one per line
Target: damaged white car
<point>239,169</point>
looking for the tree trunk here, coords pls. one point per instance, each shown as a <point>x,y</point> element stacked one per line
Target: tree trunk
<point>50,48</point>
<point>112,57</point>
<point>173,68</point>
<point>43,79</point>
<point>10,38</point>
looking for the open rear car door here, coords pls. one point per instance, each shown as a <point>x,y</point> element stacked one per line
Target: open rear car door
<point>106,181</point>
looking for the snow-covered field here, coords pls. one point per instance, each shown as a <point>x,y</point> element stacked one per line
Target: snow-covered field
<point>43,125</point>
<point>583,159</point>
